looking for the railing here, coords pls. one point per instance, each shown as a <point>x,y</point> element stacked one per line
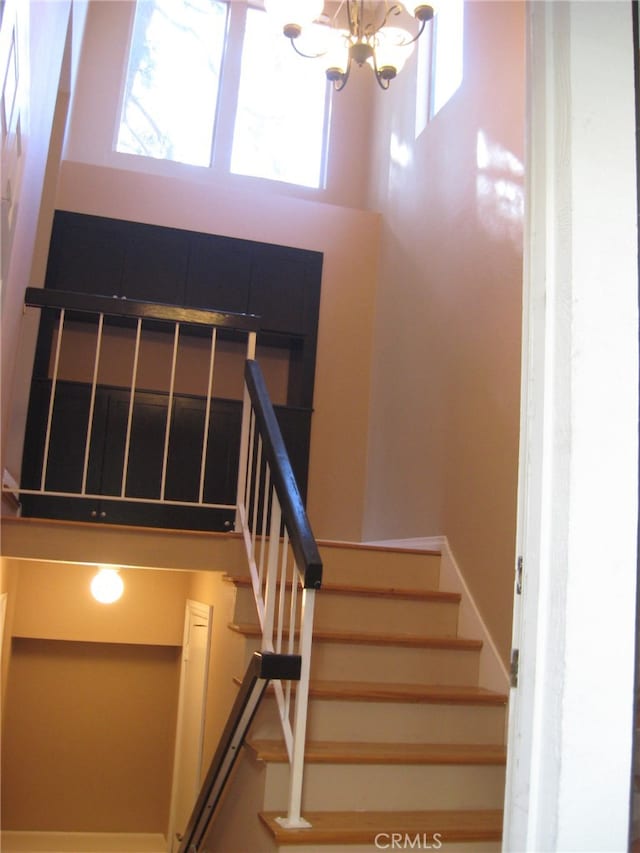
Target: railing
<point>261,670</point>
<point>102,312</point>
<point>286,571</point>
<point>269,505</point>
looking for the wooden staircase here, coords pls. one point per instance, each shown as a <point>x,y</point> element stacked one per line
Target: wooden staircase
<point>403,745</point>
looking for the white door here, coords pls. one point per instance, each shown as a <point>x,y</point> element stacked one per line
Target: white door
<point>187,766</point>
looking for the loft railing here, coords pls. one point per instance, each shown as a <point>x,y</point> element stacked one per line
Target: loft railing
<point>176,325</point>
<point>282,554</point>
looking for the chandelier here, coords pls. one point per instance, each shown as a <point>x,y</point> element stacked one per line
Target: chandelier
<point>359,31</point>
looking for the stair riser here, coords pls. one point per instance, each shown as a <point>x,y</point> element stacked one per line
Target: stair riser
<point>381,722</point>
<point>363,567</point>
<point>341,612</point>
<point>377,787</point>
<point>388,664</point>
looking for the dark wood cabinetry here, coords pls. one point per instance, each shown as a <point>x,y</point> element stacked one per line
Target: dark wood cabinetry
<point>95,255</point>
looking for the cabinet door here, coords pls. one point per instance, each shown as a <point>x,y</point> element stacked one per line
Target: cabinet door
<point>155,264</point>
<point>86,254</point>
<point>143,468</point>
<point>219,273</point>
<point>223,450</point>
<point>282,285</point>
<point>65,457</point>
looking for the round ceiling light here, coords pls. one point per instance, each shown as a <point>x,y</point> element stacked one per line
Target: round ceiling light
<point>107,586</point>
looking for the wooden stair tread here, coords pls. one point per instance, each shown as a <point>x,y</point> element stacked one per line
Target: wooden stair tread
<point>429,693</point>
<point>362,827</point>
<point>377,639</point>
<point>368,546</point>
<point>350,752</point>
<point>370,591</point>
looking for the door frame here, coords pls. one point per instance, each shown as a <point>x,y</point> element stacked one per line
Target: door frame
<point>194,610</point>
<point>575,613</point>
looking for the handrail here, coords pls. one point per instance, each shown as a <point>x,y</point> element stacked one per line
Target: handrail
<point>262,668</point>
<point>114,306</point>
<point>275,528</point>
<point>294,514</point>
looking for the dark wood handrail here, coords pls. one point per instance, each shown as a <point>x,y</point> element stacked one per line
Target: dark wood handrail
<point>263,667</point>
<point>134,308</point>
<point>302,540</point>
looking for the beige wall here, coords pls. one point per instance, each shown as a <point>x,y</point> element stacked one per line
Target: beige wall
<point>91,698</point>
<point>54,602</point>
<point>445,413</point>
<point>89,736</point>
<point>8,580</point>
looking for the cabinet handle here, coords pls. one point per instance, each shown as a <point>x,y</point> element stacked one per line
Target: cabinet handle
<point>103,514</point>
<point>93,513</point>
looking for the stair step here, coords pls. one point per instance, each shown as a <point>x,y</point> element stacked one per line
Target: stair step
<point>372,565</point>
<point>337,752</point>
<point>369,691</point>
<point>376,639</point>
<point>363,827</point>
<point>350,607</point>
<point>343,718</point>
<point>386,592</point>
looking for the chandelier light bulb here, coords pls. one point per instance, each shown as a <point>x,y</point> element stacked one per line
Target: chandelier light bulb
<point>107,586</point>
<point>393,47</point>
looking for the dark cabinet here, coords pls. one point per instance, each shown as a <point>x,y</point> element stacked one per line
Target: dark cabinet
<point>97,255</point>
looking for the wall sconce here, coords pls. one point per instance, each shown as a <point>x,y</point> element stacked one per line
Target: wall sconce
<point>107,586</point>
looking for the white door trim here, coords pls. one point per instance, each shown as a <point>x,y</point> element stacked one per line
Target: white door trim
<point>203,612</point>
<point>574,623</point>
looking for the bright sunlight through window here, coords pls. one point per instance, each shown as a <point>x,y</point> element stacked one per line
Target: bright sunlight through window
<point>172,82</point>
<point>282,104</point>
<point>449,53</point>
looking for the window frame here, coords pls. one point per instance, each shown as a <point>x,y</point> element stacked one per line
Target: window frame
<point>224,122</point>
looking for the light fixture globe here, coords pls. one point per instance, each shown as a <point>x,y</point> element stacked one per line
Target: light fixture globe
<point>393,47</point>
<point>107,586</point>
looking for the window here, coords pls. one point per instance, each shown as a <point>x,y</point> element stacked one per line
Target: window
<point>184,60</point>
<point>440,62</point>
<point>280,118</point>
<point>173,79</point>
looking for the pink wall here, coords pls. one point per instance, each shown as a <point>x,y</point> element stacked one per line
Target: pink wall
<point>47,24</point>
<point>445,407</point>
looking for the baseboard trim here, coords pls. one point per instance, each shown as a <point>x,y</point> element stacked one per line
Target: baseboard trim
<point>493,673</point>
<point>82,842</point>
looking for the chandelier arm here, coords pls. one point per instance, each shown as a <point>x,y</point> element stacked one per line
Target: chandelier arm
<point>423,24</point>
<point>306,55</point>
<point>395,9</point>
<point>382,82</point>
